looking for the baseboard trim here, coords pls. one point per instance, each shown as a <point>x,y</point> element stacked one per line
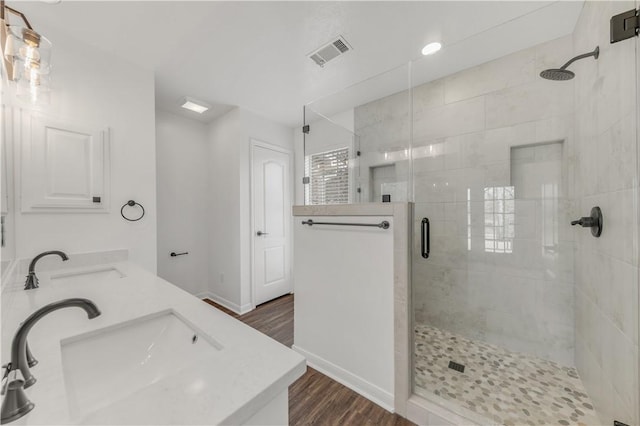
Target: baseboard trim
<point>224,302</point>
<point>245,308</point>
<point>370,391</point>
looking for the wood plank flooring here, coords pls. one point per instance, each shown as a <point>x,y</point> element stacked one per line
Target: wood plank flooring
<point>314,398</point>
<point>274,318</point>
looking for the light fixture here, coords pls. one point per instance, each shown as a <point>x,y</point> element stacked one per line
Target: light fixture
<point>26,56</point>
<point>431,48</point>
<point>194,105</point>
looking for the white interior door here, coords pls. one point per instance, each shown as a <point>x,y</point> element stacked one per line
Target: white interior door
<point>271,224</point>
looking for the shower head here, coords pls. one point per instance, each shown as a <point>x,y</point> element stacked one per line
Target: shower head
<point>562,73</point>
<point>557,74</point>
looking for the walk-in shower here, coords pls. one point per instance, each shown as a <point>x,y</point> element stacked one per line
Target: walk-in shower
<point>518,317</point>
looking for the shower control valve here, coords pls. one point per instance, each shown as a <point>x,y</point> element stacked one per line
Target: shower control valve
<point>594,221</point>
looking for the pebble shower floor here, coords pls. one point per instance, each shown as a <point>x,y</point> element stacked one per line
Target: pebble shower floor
<point>505,387</point>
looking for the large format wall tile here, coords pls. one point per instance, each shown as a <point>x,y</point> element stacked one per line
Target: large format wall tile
<point>509,71</point>
<point>461,117</point>
<point>606,271</point>
<point>538,100</point>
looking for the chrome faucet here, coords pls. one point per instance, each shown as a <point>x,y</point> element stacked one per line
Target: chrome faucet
<point>32,280</point>
<point>15,403</point>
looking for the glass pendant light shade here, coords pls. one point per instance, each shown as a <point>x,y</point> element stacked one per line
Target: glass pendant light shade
<point>32,49</point>
<point>35,91</point>
<point>27,56</point>
<point>35,51</point>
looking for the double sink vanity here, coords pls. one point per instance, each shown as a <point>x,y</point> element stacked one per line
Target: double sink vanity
<point>152,354</point>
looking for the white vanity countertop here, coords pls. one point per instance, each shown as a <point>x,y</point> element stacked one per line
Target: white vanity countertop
<point>249,371</point>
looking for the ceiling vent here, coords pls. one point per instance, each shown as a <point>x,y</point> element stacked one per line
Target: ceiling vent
<point>330,51</point>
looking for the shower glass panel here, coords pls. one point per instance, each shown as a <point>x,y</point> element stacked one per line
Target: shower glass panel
<point>375,134</point>
<point>518,317</point>
<point>329,159</point>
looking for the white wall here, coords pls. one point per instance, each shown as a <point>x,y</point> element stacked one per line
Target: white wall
<point>344,303</point>
<point>298,187</point>
<point>224,202</point>
<point>229,201</point>
<point>606,268</point>
<point>96,87</point>
<point>7,190</point>
<point>183,182</point>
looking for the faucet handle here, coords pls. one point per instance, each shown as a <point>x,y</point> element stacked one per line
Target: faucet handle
<point>31,282</point>
<point>594,221</point>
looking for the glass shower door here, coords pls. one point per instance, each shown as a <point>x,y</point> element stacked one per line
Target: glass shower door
<point>518,317</point>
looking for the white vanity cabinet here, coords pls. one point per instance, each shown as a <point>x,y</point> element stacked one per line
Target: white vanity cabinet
<point>64,165</point>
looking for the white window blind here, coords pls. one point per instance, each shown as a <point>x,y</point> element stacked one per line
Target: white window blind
<point>329,177</point>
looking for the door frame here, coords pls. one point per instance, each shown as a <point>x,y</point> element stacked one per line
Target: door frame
<point>256,143</point>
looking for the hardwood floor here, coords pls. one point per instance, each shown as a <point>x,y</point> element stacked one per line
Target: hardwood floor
<point>314,398</point>
<point>274,318</point>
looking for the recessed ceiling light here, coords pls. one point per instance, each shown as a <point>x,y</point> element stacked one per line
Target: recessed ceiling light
<point>194,105</point>
<point>431,48</point>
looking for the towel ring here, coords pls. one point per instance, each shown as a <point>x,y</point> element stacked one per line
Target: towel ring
<point>131,203</point>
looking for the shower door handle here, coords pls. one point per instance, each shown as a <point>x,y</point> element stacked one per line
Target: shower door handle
<point>425,238</point>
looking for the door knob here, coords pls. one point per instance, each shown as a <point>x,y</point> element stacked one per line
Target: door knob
<point>260,233</point>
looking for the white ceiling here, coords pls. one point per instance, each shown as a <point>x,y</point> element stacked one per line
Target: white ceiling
<point>254,54</point>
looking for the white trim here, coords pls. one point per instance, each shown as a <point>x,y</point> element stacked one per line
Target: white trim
<point>358,384</point>
<point>425,412</point>
<point>267,145</point>
<point>252,226</point>
<point>34,202</point>
<point>240,310</point>
<point>247,307</point>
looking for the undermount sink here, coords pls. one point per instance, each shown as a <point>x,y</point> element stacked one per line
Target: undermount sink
<point>103,366</point>
<point>94,275</point>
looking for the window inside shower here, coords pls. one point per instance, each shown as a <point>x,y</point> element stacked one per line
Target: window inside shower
<point>328,174</point>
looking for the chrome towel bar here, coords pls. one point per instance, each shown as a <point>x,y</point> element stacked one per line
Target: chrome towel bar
<point>384,224</point>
